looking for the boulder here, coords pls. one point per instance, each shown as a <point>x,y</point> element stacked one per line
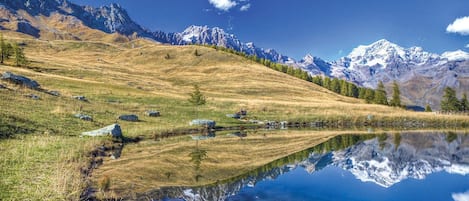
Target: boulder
<point>128,117</point>
<point>33,96</point>
<point>84,117</point>
<point>152,113</point>
<point>2,87</point>
<point>53,93</point>
<point>80,98</point>
<point>235,116</point>
<point>114,130</point>
<point>21,80</point>
<point>203,122</point>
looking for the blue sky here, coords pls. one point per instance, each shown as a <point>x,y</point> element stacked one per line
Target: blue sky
<point>326,28</point>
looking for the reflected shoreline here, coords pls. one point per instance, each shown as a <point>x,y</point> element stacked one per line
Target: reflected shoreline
<point>367,156</point>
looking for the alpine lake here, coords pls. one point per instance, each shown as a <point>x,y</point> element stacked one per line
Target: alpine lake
<point>405,165</point>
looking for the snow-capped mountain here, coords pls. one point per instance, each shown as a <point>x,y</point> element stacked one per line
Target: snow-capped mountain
<point>382,61</point>
<point>388,163</point>
<point>421,75</point>
<point>314,65</point>
<point>217,36</point>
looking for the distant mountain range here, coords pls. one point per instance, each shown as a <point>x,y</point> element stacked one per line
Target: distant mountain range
<point>421,75</point>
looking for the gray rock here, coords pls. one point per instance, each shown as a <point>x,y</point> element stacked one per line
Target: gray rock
<point>114,130</point>
<point>152,113</point>
<point>84,117</point>
<point>2,86</point>
<point>81,98</point>
<point>235,116</point>
<point>54,93</point>
<point>33,96</point>
<point>203,122</point>
<point>128,117</point>
<point>21,80</point>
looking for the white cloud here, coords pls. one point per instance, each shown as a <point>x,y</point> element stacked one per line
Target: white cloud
<point>245,7</point>
<point>460,26</point>
<point>467,46</point>
<point>223,5</point>
<point>460,196</point>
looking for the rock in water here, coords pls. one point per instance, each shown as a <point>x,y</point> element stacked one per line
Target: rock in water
<point>21,80</point>
<point>203,122</point>
<point>114,130</point>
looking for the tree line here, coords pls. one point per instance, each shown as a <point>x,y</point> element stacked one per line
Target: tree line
<point>339,86</point>
<point>450,102</point>
<point>11,51</point>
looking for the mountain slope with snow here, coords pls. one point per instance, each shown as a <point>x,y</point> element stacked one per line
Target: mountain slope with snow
<point>421,75</point>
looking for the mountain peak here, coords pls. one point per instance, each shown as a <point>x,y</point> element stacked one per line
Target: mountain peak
<point>457,55</point>
<point>381,47</point>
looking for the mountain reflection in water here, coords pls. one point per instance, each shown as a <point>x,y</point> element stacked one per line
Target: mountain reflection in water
<point>380,160</point>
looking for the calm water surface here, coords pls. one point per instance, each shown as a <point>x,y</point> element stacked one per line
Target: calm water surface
<point>404,166</point>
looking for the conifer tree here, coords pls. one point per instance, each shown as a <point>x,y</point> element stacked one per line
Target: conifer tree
<point>20,59</point>
<point>369,95</point>
<point>464,104</point>
<point>335,85</point>
<point>428,108</point>
<point>197,99</point>
<point>380,95</point>
<point>2,48</point>
<point>396,95</point>
<point>449,102</point>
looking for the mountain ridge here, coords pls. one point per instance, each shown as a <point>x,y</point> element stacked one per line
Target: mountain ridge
<point>365,66</point>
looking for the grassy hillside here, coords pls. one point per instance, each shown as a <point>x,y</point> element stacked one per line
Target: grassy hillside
<point>44,155</point>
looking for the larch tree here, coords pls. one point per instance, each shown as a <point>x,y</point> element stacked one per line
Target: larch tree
<point>396,95</point>
<point>20,58</point>
<point>197,99</point>
<point>450,102</point>
<point>464,104</point>
<point>380,95</point>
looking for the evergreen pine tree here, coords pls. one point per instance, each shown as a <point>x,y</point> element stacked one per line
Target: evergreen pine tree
<point>449,102</point>
<point>353,90</point>
<point>343,88</point>
<point>335,85</point>
<point>197,99</point>
<point>396,95</point>
<point>20,59</point>
<point>369,95</point>
<point>2,48</point>
<point>464,104</point>
<point>428,108</point>
<point>361,93</point>
<point>380,95</point>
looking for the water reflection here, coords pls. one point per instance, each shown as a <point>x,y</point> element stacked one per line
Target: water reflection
<point>383,160</point>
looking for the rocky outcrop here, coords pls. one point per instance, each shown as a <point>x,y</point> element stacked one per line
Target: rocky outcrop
<point>113,130</point>
<point>128,117</point>
<point>20,80</point>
